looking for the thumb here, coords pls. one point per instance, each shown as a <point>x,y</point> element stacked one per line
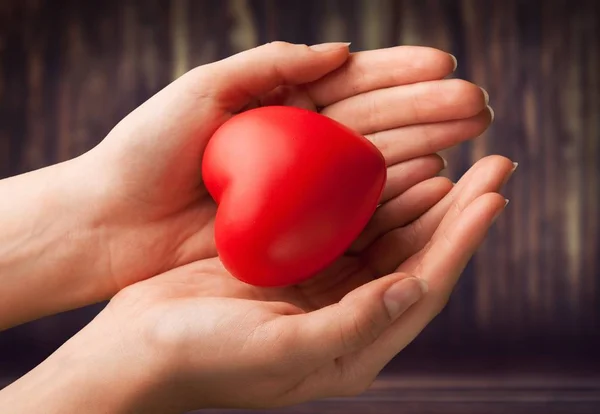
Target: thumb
<point>360,317</point>
<point>190,109</point>
<point>234,81</point>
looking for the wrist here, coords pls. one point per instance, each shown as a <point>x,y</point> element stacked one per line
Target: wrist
<point>96,371</point>
<point>49,258</point>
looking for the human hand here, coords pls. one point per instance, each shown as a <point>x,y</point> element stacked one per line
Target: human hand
<point>135,206</point>
<point>151,211</point>
<point>196,337</point>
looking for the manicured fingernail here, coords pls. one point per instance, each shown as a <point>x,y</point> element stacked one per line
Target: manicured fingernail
<point>515,165</point>
<point>402,294</point>
<point>328,47</point>
<point>455,62</point>
<point>486,95</point>
<point>501,210</point>
<point>489,108</point>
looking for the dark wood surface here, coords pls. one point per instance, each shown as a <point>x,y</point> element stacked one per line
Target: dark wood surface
<point>530,299</point>
<point>470,395</point>
<point>452,394</point>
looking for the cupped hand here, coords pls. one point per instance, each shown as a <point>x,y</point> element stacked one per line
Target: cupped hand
<point>148,206</point>
<point>204,339</point>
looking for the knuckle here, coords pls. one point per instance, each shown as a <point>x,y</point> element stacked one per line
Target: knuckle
<point>412,233</point>
<point>456,208</point>
<point>430,138</point>
<point>357,75</point>
<point>416,107</point>
<point>405,237</point>
<point>351,75</point>
<point>445,238</point>
<point>366,330</point>
<point>200,81</point>
<point>373,110</point>
<point>199,74</point>
<point>279,46</point>
<point>363,331</point>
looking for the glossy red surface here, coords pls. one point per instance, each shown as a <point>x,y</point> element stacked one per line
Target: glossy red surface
<point>294,189</point>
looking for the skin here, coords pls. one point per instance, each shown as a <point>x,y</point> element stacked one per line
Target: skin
<point>105,224</point>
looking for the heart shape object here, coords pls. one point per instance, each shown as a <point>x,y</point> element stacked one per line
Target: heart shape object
<point>294,189</point>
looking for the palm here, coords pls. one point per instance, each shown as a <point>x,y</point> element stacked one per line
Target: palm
<point>209,278</point>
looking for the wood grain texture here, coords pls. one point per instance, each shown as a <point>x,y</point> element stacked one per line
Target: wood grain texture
<point>70,70</point>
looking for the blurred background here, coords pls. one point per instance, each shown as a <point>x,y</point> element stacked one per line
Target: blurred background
<point>522,331</point>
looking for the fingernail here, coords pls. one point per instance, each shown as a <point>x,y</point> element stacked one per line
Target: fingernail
<point>445,162</point>
<point>455,62</point>
<point>515,165</point>
<point>328,47</point>
<point>486,95</point>
<point>402,294</point>
<point>491,113</point>
<point>501,210</point>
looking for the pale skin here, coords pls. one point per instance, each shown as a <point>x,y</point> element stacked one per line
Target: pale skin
<point>131,220</point>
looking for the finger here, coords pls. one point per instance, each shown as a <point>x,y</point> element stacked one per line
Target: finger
<point>402,210</point>
<point>487,175</point>
<point>440,266</point>
<point>234,81</point>
<point>413,141</point>
<point>468,227</point>
<point>419,103</point>
<point>378,69</point>
<point>402,176</point>
<point>358,319</point>
<point>491,178</point>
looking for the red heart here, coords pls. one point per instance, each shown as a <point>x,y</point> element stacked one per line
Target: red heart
<point>294,189</point>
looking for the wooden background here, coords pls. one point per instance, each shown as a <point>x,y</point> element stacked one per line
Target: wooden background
<point>528,304</point>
